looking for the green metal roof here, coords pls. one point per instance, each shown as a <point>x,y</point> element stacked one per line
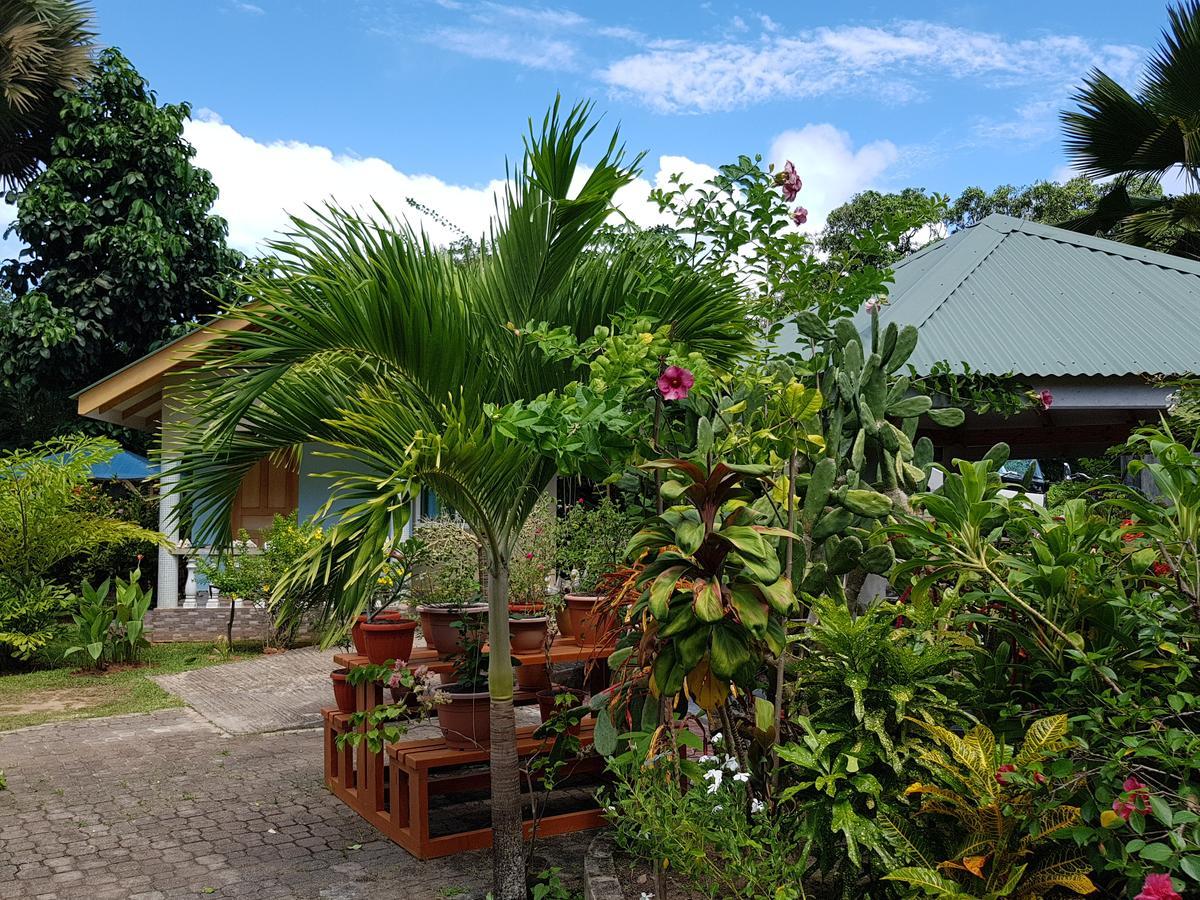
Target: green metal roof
<point>1012,296</point>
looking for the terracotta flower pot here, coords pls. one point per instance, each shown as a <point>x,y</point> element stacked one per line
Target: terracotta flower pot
<point>565,628</point>
<point>548,703</point>
<point>589,618</point>
<point>531,609</point>
<point>532,677</point>
<point>437,624</point>
<point>386,640</point>
<point>356,633</point>
<point>343,691</point>
<point>528,635</point>
<point>466,720</point>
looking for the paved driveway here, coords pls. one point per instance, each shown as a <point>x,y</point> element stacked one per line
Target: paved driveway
<point>166,805</point>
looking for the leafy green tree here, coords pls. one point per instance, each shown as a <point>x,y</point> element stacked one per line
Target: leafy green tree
<point>1048,202</point>
<point>121,242</point>
<point>1116,134</point>
<point>868,210</point>
<point>46,46</point>
<point>393,352</point>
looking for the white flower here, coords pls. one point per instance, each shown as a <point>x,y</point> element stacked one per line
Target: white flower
<point>757,806</point>
<point>743,777</point>
<point>731,764</point>
<point>706,760</point>
<point>718,808</point>
<point>646,896</point>
<point>717,738</point>
<point>713,775</point>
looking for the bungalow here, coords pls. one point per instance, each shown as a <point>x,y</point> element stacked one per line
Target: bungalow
<point>1095,322</point>
<point>1099,324</point>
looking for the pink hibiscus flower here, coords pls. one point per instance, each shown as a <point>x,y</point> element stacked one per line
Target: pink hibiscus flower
<point>789,181</point>
<point>675,382</point>
<point>1046,399</point>
<point>1135,799</point>
<point>1158,887</point>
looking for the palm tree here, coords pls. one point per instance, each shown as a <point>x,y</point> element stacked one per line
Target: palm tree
<point>1137,139</point>
<point>390,352</point>
<point>46,46</point>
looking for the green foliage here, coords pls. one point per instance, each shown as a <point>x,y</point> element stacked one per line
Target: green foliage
<point>865,211</point>
<point>1048,202</point>
<point>1135,139</point>
<point>998,817</point>
<point>450,575</point>
<point>715,836</point>
<point>30,613</point>
<point>48,47</point>
<point>533,562</point>
<point>46,516</point>
<point>122,245</point>
<point>110,627</point>
<point>592,541</point>
<point>549,886</point>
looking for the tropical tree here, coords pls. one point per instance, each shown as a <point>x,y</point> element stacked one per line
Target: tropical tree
<point>46,46</point>
<point>395,355</point>
<point>1128,137</point>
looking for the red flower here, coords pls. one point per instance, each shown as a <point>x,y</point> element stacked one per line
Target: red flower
<point>1136,798</point>
<point>529,556</point>
<point>1158,887</point>
<point>1161,568</point>
<point>1130,535</point>
<point>1004,770</point>
<point>1046,399</point>
<point>675,382</point>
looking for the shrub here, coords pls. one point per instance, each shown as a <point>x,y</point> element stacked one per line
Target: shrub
<point>30,616</point>
<point>108,627</point>
<point>592,541</point>
<point>451,574</point>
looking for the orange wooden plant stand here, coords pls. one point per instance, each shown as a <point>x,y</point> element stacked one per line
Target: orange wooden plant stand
<point>391,789</point>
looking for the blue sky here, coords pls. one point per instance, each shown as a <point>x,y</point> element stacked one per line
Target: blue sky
<point>300,99</point>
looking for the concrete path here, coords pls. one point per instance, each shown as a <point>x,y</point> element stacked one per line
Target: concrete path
<point>164,805</point>
<point>276,692</point>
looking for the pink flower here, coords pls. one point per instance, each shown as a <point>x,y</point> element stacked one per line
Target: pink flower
<point>799,215</point>
<point>873,305</point>
<point>675,382</point>
<point>1004,770</point>
<point>789,181</point>
<point>1158,887</point>
<point>1046,399</point>
<point>1136,798</point>
<point>529,555</point>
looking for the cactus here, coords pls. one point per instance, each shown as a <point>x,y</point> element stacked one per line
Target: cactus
<point>870,463</point>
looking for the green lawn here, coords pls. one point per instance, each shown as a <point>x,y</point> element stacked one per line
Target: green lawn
<point>51,695</point>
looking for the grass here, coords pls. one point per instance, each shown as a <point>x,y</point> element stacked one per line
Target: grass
<point>52,695</point>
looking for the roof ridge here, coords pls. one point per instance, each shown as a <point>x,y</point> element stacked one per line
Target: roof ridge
<point>1094,243</point>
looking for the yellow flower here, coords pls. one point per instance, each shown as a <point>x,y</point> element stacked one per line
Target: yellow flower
<point>646,337</point>
<point>266,588</point>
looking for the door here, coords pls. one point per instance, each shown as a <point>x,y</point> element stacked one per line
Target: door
<point>269,489</point>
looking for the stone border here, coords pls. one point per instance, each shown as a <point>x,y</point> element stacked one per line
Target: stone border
<point>599,873</point>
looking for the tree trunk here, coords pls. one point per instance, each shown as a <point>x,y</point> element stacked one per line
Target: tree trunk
<point>508,857</point>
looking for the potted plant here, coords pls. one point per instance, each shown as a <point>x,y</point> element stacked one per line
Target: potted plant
<point>384,634</point>
<point>591,543</point>
<point>343,690</point>
<point>529,569</point>
<point>464,707</point>
<point>445,587</point>
<point>558,699</point>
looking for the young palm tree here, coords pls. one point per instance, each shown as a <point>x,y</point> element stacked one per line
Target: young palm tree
<point>45,46</point>
<point>369,340</point>
<point>1136,139</point>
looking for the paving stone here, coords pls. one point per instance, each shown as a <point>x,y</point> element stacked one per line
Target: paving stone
<point>124,778</point>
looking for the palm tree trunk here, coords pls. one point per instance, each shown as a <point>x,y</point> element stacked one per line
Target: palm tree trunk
<point>508,857</point>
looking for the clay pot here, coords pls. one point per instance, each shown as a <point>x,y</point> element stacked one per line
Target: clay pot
<point>530,609</point>
<point>356,633</point>
<point>386,640</point>
<point>532,677</point>
<point>548,703</point>
<point>528,635</point>
<point>565,628</point>
<point>589,620</point>
<point>465,721</point>
<point>343,691</point>
<point>437,624</point>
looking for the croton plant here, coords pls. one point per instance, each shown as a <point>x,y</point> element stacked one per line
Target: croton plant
<point>713,587</point>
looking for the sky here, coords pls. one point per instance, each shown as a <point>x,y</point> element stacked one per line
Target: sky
<point>298,101</point>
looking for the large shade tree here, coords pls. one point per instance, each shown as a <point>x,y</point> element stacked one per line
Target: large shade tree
<point>46,46</point>
<point>391,352</point>
<point>1132,137</point>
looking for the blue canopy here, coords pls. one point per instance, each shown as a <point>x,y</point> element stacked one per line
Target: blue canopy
<point>125,466</point>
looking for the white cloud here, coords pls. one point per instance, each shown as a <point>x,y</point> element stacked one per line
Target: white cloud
<point>831,168</point>
<point>531,50</point>
<point>261,183</point>
<point>249,8</point>
<point>694,76</point>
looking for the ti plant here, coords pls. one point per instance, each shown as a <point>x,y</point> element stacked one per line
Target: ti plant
<point>713,587</point>
<point>997,817</point>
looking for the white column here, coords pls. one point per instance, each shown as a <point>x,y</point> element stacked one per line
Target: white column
<point>189,584</point>
<point>168,564</point>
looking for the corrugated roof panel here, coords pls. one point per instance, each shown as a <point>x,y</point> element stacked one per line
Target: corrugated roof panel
<point>1014,296</point>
